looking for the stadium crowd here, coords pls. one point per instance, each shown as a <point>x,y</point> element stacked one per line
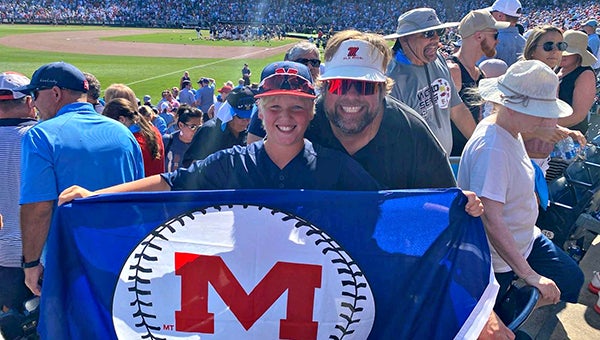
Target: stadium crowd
<point>301,16</point>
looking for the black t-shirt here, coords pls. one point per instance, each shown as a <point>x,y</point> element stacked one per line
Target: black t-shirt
<point>210,139</point>
<point>403,155</point>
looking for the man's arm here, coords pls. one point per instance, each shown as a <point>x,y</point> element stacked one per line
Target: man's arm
<point>504,243</point>
<point>35,223</point>
<point>462,118</point>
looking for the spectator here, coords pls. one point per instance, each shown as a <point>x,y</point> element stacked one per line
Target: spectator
<point>422,79</point>
<point>189,120</point>
<point>120,91</point>
<point>185,77</point>
<point>93,96</point>
<point>151,115</point>
<point>510,41</point>
<point>221,99</point>
<point>147,136</point>
<point>71,146</point>
<point>545,43</point>
<point>227,129</point>
<point>479,33</point>
<point>523,97</point>
<point>187,95</point>
<point>147,100</point>
<point>307,54</point>
<point>577,81</point>
<point>589,27</point>
<point>17,116</point>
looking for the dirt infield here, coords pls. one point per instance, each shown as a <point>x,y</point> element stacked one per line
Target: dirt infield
<point>88,42</point>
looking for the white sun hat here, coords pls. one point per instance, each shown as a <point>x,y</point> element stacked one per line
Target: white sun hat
<point>529,87</point>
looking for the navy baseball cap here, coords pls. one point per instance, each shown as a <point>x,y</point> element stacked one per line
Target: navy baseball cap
<point>61,74</point>
<point>241,101</point>
<point>285,77</point>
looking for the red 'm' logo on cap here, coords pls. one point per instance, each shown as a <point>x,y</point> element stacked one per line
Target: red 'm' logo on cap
<point>352,51</point>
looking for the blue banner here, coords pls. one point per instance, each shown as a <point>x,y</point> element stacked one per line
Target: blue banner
<point>267,264</point>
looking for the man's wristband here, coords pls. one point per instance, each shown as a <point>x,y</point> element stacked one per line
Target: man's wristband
<point>31,264</point>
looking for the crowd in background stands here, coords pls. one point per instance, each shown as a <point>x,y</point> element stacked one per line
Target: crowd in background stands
<point>303,16</point>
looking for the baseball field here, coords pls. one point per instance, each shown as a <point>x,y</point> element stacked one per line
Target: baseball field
<point>147,60</point>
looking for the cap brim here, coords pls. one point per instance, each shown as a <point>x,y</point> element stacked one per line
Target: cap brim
<point>490,91</point>
<point>25,89</point>
<point>285,92</point>
<point>353,72</point>
<point>243,114</point>
<point>403,34</point>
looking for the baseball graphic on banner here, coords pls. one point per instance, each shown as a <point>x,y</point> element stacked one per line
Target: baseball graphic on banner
<point>241,272</point>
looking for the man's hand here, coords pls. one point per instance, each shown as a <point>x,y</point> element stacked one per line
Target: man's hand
<point>32,278</point>
<point>548,289</point>
<point>495,329</point>
<point>474,207</point>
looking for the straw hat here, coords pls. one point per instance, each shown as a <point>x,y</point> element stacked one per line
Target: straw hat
<point>578,42</point>
<point>529,87</point>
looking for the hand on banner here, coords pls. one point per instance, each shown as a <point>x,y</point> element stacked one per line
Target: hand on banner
<point>474,207</point>
<point>72,193</point>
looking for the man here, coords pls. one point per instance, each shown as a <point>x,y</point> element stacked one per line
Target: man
<point>356,115</point>
<point>421,76</point>
<point>204,97</point>
<point>187,95</point>
<point>16,117</point>
<point>221,98</point>
<point>479,33</point>
<point>589,27</point>
<point>189,120</point>
<point>93,96</point>
<point>246,73</point>
<point>72,145</point>
<point>495,165</point>
<point>510,41</point>
<point>226,129</point>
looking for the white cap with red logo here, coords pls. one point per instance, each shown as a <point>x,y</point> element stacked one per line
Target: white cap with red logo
<point>355,59</point>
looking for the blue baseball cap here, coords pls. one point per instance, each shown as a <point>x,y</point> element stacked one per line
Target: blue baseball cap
<point>241,101</point>
<point>61,74</point>
<point>286,77</point>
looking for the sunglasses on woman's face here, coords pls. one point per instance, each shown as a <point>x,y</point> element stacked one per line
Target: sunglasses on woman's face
<point>549,46</point>
<point>429,34</point>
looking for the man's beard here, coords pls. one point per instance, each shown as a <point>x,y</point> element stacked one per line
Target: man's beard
<point>488,51</point>
<point>354,126</point>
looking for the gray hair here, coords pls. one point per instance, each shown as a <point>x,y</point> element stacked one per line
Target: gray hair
<point>300,49</point>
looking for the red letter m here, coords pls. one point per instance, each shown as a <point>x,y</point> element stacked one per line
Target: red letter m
<point>197,271</point>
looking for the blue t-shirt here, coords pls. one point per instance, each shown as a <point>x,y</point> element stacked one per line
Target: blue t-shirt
<point>77,147</point>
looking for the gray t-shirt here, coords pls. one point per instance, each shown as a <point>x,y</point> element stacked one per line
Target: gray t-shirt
<point>429,91</point>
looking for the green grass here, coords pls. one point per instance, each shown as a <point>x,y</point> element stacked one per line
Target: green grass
<point>145,75</point>
<point>188,37</point>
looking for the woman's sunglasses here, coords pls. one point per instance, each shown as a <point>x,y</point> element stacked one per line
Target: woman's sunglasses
<point>342,86</point>
<point>549,46</point>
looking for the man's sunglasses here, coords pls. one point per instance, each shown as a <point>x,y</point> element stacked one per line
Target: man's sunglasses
<point>494,33</point>
<point>429,34</point>
<point>549,46</point>
<point>342,86</point>
<point>35,93</point>
<point>286,81</point>
<point>312,62</point>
